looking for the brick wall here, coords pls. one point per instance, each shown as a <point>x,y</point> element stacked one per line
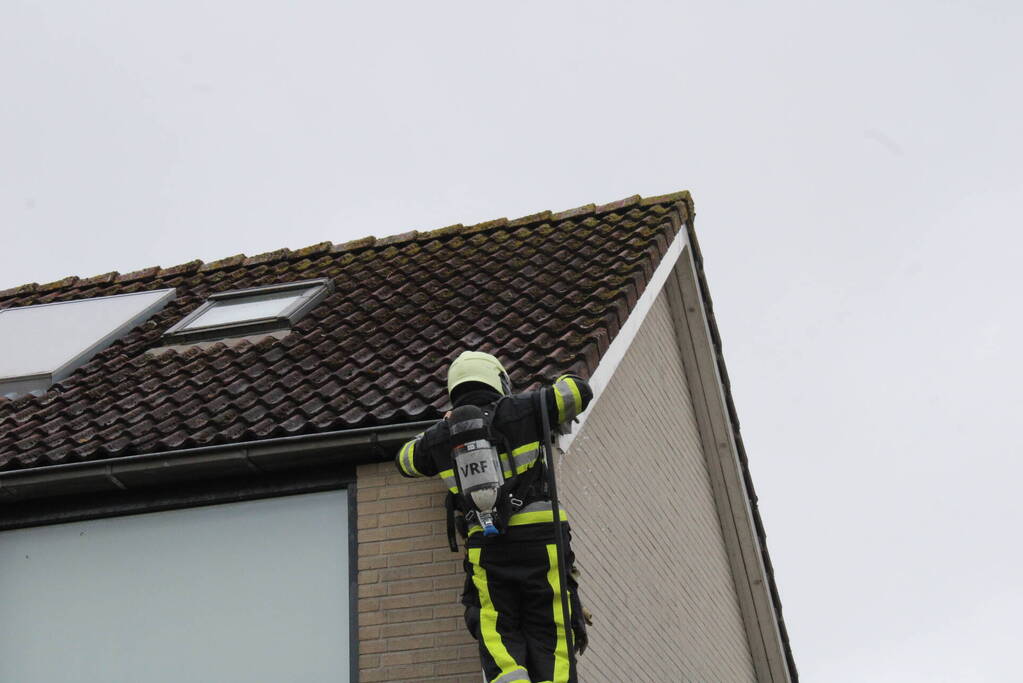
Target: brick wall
<point>410,620</point>
<point>646,534</point>
<point>664,600</point>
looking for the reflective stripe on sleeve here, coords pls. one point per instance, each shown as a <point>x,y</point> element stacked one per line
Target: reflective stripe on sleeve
<point>576,395</point>
<point>568,398</point>
<point>405,459</point>
<point>559,399</point>
<point>504,465</point>
<point>524,456</point>
<point>449,480</point>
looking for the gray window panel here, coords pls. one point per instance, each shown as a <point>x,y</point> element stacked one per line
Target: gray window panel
<point>41,345</point>
<point>241,310</point>
<point>250,311</point>
<point>251,592</point>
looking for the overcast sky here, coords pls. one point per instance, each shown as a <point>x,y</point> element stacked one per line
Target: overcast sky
<point>857,176</point>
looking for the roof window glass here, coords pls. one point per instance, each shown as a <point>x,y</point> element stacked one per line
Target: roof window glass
<point>250,311</point>
<point>41,345</point>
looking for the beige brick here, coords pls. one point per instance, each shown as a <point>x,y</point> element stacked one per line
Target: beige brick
<point>393,518</point>
<point>449,581</point>
<point>415,502</point>
<point>373,562</point>
<point>396,616</point>
<point>374,590</point>
<point>413,571</point>
<point>416,642</point>
<point>371,618</point>
<point>448,610</point>
<point>409,586</point>
<point>458,666</point>
<point>418,628</point>
<point>416,557</point>
<point>371,647</point>
<point>665,603</point>
<point>461,637</point>
<point>403,545</point>
<point>408,530</point>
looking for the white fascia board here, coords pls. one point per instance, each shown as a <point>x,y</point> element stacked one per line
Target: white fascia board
<point>612,358</point>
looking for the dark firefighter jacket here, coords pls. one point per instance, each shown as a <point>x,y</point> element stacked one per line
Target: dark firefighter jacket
<point>517,435</point>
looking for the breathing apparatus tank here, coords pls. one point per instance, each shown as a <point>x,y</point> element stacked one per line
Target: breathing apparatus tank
<point>477,465</point>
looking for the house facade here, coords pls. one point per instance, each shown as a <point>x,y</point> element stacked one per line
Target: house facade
<point>240,419</point>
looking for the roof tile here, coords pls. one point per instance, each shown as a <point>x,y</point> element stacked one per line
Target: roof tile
<point>546,292</point>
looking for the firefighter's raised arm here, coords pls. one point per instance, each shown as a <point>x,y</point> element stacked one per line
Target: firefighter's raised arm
<point>570,397</point>
<point>416,458</point>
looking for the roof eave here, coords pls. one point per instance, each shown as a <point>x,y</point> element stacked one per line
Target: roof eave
<point>351,446</point>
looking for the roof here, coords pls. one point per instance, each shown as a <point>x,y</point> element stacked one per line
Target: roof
<point>556,287</point>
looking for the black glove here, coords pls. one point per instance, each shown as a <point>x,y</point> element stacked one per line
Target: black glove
<point>579,638</point>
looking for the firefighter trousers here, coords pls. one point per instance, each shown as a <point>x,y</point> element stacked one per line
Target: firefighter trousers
<point>520,626</point>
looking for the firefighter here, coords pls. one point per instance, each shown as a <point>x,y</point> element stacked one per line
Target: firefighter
<point>487,451</point>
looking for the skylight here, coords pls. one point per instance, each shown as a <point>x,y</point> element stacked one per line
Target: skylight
<point>41,345</point>
<point>250,311</point>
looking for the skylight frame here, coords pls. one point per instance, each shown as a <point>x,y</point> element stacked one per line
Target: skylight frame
<point>318,290</point>
<point>39,382</point>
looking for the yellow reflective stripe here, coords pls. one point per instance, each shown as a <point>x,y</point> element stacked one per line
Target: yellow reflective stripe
<point>524,456</point>
<point>525,448</point>
<point>561,647</point>
<point>537,517</point>
<point>488,618</point>
<point>561,405</point>
<point>567,391</point>
<point>406,459</point>
<point>575,395</point>
<point>401,459</point>
<point>521,518</point>
<point>449,480</point>
<point>505,468</point>
<point>519,469</point>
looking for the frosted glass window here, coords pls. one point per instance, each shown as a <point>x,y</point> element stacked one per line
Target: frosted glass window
<point>250,311</point>
<point>241,310</point>
<point>251,592</point>
<point>43,344</point>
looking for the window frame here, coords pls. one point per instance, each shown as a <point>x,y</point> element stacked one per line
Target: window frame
<point>318,290</point>
<point>40,382</point>
<point>194,493</point>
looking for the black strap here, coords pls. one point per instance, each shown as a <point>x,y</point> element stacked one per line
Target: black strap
<point>449,505</point>
<point>529,485</point>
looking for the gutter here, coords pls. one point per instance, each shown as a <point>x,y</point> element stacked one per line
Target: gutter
<point>348,446</point>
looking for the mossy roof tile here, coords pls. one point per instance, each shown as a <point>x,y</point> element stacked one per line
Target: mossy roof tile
<point>543,291</point>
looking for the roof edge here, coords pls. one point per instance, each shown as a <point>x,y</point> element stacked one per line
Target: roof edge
<point>695,319</point>
<point>363,444</point>
<point>682,198</point>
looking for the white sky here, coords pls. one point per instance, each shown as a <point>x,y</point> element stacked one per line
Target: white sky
<point>857,176</point>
